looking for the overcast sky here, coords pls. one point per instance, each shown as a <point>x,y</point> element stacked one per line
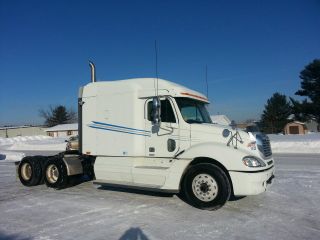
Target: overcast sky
<point>252,49</point>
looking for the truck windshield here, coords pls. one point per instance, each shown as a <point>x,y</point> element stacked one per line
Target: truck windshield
<point>193,111</point>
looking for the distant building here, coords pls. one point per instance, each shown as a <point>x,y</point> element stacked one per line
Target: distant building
<point>250,125</point>
<point>243,126</point>
<point>312,126</point>
<point>63,130</point>
<point>15,131</point>
<point>295,128</point>
<point>220,119</point>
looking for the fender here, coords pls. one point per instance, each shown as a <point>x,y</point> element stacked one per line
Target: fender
<point>73,164</point>
<point>228,156</point>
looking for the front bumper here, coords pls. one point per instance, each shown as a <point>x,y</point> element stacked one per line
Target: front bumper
<point>251,183</point>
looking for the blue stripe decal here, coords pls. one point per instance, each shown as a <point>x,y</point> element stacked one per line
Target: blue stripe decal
<point>109,129</point>
<point>111,125</point>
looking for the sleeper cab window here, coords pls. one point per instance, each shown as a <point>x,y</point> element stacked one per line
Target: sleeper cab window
<point>167,114</point>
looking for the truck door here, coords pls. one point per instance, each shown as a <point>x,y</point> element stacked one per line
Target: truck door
<point>160,146</point>
<point>164,139</point>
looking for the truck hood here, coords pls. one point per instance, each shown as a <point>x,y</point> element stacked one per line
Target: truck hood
<point>218,134</point>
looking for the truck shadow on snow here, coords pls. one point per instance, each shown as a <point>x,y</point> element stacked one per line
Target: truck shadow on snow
<point>136,191</point>
<point>17,236</point>
<point>234,198</point>
<point>77,180</point>
<point>134,234</point>
<point>156,194</point>
<point>74,181</point>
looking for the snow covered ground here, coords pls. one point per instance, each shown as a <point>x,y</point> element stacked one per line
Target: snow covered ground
<point>17,147</point>
<point>38,143</point>
<point>288,210</point>
<point>308,143</point>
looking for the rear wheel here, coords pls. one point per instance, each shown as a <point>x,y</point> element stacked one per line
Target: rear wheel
<point>55,173</point>
<point>206,186</point>
<point>30,171</point>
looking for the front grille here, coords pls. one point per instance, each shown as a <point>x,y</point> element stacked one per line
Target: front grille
<point>263,143</point>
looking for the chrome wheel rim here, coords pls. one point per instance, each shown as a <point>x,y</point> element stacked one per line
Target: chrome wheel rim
<point>26,171</point>
<point>52,173</point>
<point>205,187</point>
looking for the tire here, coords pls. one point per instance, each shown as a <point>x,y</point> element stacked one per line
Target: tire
<point>206,186</point>
<point>55,173</point>
<point>30,171</point>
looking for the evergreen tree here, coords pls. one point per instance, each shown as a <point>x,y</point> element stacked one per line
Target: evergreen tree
<point>58,115</point>
<point>276,113</point>
<point>310,87</point>
<point>302,111</point>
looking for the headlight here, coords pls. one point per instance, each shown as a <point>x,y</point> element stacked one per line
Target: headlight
<point>250,161</point>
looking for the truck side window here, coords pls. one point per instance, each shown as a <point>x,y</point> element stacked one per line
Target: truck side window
<point>167,114</point>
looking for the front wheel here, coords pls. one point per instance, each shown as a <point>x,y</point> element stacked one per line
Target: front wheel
<point>206,186</point>
<point>55,172</point>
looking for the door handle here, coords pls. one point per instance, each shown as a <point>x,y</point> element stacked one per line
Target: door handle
<point>171,145</point>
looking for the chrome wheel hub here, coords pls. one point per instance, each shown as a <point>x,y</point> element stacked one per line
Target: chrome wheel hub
<point>26,171</point>
<point>205,187</point>
<point>52,173</point>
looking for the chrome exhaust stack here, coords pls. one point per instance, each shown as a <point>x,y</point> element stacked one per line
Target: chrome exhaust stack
<point>93,71</point>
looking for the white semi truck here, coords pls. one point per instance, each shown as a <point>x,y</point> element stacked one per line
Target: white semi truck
<point>133,134</point>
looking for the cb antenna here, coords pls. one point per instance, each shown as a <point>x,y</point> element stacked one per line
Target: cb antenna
<point>207,81</point>
<point>156,68</point>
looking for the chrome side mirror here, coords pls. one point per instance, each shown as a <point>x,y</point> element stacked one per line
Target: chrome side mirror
<point>156,111</point>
